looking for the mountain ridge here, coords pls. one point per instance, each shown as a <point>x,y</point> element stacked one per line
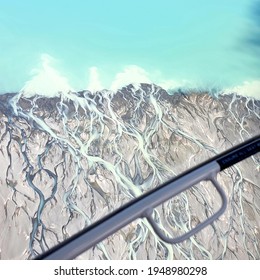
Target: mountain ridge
<point>67,161</point>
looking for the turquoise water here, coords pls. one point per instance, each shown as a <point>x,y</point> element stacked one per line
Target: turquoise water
<point>105,44</point>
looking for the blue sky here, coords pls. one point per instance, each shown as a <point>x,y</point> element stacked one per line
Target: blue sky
<point>199,42</point>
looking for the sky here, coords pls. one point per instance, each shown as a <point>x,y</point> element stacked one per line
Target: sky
<point>51,45</point>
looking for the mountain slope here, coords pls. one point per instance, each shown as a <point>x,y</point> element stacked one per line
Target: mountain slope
<point>70,159</point>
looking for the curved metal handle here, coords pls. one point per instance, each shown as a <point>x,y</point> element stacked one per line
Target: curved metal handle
<point>148,215</point>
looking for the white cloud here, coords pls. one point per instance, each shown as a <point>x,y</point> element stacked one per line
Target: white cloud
<point>251,89</point>
<point>94,81</point>
<point>132,74</point>
<point>46,81</point>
